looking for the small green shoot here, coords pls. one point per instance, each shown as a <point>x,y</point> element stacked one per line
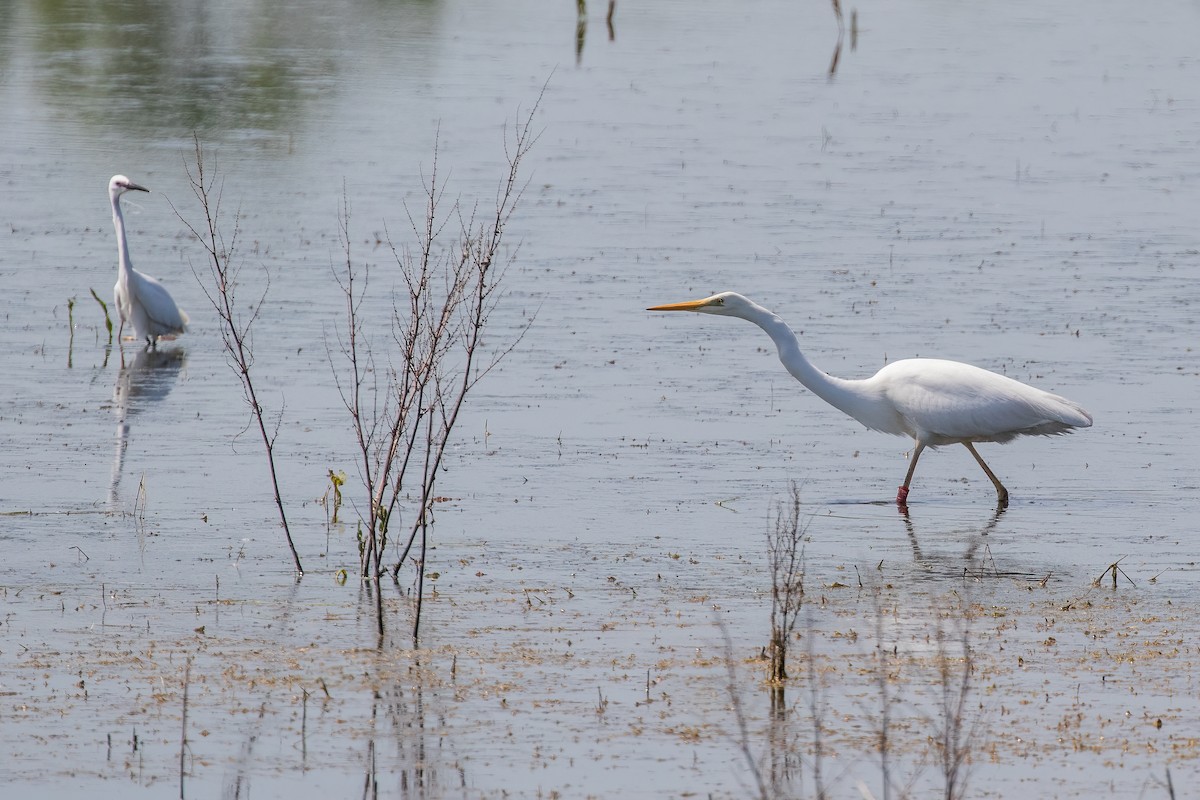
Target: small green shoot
<point>337,480</point>
<point>107,318</point>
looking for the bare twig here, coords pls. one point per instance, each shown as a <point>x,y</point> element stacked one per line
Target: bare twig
<point>403,415</point>
<point>841,23</point>
<point>1114,568</point>
<point>785,552</point>
<point>235,327</point>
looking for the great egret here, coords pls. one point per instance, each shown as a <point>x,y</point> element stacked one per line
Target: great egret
<point>141,300</point>
<point>936,402</point>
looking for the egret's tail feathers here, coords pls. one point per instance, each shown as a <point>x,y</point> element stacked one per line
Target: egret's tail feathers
<point>1072,414</point>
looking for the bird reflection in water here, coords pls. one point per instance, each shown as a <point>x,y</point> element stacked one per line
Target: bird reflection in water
<point>970,563</point>
<point>146,380</point>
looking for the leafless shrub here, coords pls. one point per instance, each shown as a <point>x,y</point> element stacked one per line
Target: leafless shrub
<point>952,723</point>
<point>786,563</point>
<point>220,286</point>
<point>403,406</point>
<point>785,553</point>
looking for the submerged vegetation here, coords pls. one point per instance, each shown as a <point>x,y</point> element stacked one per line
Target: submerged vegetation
<point>403,399</point>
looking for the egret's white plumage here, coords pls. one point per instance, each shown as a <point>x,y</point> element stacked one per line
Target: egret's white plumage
<point>935,402</point>
<point>141,300</point>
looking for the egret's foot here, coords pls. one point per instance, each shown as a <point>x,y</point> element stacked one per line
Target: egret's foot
<point>1002,498</point>
<point>902,496</point>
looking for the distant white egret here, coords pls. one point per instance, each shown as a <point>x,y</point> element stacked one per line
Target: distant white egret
<point>141,300</point>
<point>936,402</point>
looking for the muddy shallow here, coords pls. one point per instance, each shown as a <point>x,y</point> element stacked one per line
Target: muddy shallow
<point>1012,186</point>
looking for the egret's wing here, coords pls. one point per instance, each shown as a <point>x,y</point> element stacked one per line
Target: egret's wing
<point>956,402</point>
<point>160,307</point>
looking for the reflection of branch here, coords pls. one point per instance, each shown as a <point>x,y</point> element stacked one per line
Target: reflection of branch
<point>183,742</point>
<point>837,51</point>
<point>739,713</point>
<point>953,738</point>
<point>816,705</point>
<point>882,677</point>
<point>580,29</point>
<point>581,26</point>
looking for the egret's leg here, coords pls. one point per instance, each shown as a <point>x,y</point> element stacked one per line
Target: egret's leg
<point>1001,492</point>
<point>902,495</point>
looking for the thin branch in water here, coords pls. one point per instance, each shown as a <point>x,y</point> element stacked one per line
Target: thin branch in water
<point>785,554</point>
<point>403,413</point>
<point>236,333</point>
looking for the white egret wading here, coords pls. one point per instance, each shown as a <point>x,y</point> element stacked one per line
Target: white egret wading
<point>141,301</point>
<point>936,402</point>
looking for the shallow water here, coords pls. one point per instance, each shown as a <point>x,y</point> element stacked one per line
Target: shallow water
<point>1013,186</point>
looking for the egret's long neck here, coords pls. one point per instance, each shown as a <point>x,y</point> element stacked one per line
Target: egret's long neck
<point>124,265</point>
<point>850,396</point>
